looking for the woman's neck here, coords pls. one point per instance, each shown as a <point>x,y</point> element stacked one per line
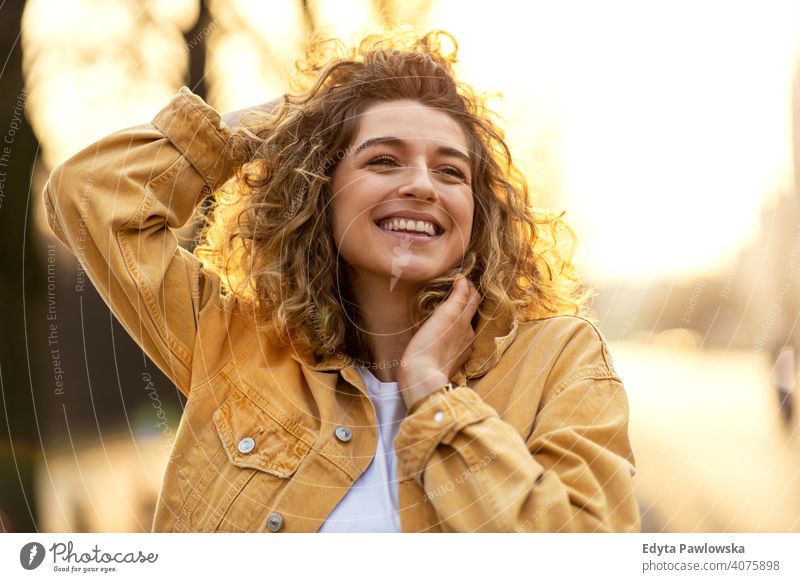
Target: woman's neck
<point>387,321</point>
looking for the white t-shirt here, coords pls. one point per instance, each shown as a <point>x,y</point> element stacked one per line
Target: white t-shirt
<point>371,503</point>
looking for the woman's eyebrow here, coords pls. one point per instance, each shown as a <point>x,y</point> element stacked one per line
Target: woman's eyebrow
<point>396,141</point>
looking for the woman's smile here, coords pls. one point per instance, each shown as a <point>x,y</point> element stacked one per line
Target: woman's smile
<point>412,226</point>
<point>415,237</point>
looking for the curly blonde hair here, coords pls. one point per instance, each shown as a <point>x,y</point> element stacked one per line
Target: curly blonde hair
<point>269,234</point>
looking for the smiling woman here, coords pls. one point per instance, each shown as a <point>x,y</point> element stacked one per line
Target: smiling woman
<point>386,116</point>
<point>376,332</point>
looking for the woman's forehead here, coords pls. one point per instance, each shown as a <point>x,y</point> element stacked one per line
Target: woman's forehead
<point>411,122</point>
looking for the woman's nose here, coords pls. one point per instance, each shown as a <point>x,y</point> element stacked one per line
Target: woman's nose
<point>418,183</point>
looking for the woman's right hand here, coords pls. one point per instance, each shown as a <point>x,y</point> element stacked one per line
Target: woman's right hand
<point>441,345</point>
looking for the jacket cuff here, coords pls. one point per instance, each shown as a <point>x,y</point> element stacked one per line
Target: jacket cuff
<point>197,131</point>
<point>437,420</point>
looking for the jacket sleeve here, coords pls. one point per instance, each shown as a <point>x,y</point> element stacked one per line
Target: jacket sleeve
<point>115,204</point>
<point>573,473</point>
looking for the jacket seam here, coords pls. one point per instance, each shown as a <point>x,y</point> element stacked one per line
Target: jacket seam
<point>487,492</point>
<point>143,284</point>
<point>603,346</point>
<point>606,370</point>
<point>208,383</point>
<point>53,211</point>
<point>182,152</point>
<point>332,461</point>
<point>593,373</point>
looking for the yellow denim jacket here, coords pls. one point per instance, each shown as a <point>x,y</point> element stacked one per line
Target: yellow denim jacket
<point>533,438</point>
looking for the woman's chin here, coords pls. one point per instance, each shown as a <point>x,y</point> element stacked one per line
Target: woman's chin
<point>408,275</point>
<point>412,278</point>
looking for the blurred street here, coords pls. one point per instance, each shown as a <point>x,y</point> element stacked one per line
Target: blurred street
<point>712,451</point>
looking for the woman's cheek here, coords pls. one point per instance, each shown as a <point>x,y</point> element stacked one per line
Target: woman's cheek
<point>349,241</point>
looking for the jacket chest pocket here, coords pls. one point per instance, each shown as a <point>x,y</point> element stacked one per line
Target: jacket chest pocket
<point>258,451</point>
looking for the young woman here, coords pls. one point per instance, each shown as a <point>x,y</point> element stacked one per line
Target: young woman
<point>377,332</point>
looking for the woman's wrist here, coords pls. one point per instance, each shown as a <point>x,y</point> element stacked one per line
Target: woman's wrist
<point>417,382</point>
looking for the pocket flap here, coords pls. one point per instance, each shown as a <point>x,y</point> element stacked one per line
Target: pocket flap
<point>273,448</point>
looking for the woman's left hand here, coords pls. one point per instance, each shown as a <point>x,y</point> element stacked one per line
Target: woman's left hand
<point>441,345</point>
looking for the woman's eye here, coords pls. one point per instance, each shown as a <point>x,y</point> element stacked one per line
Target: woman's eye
<point>383,160</point>
<point>454,172</point>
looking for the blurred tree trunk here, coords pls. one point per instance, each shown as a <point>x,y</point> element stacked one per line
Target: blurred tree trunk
<point>22,288</point>
<point>196,45</point>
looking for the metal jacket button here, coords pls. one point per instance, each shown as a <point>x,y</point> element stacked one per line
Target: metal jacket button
<point>274,521</point>
<point>343,433</point>
<point>246,445</point>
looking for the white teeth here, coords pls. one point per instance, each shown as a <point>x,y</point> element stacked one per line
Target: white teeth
<point>412,225</point>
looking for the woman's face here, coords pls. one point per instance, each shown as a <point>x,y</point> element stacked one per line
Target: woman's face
<point>402,201</point>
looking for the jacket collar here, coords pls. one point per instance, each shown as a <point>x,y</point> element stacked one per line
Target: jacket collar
<point>492,339</point>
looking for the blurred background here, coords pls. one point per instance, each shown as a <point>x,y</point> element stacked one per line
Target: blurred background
<point>668,131</point>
